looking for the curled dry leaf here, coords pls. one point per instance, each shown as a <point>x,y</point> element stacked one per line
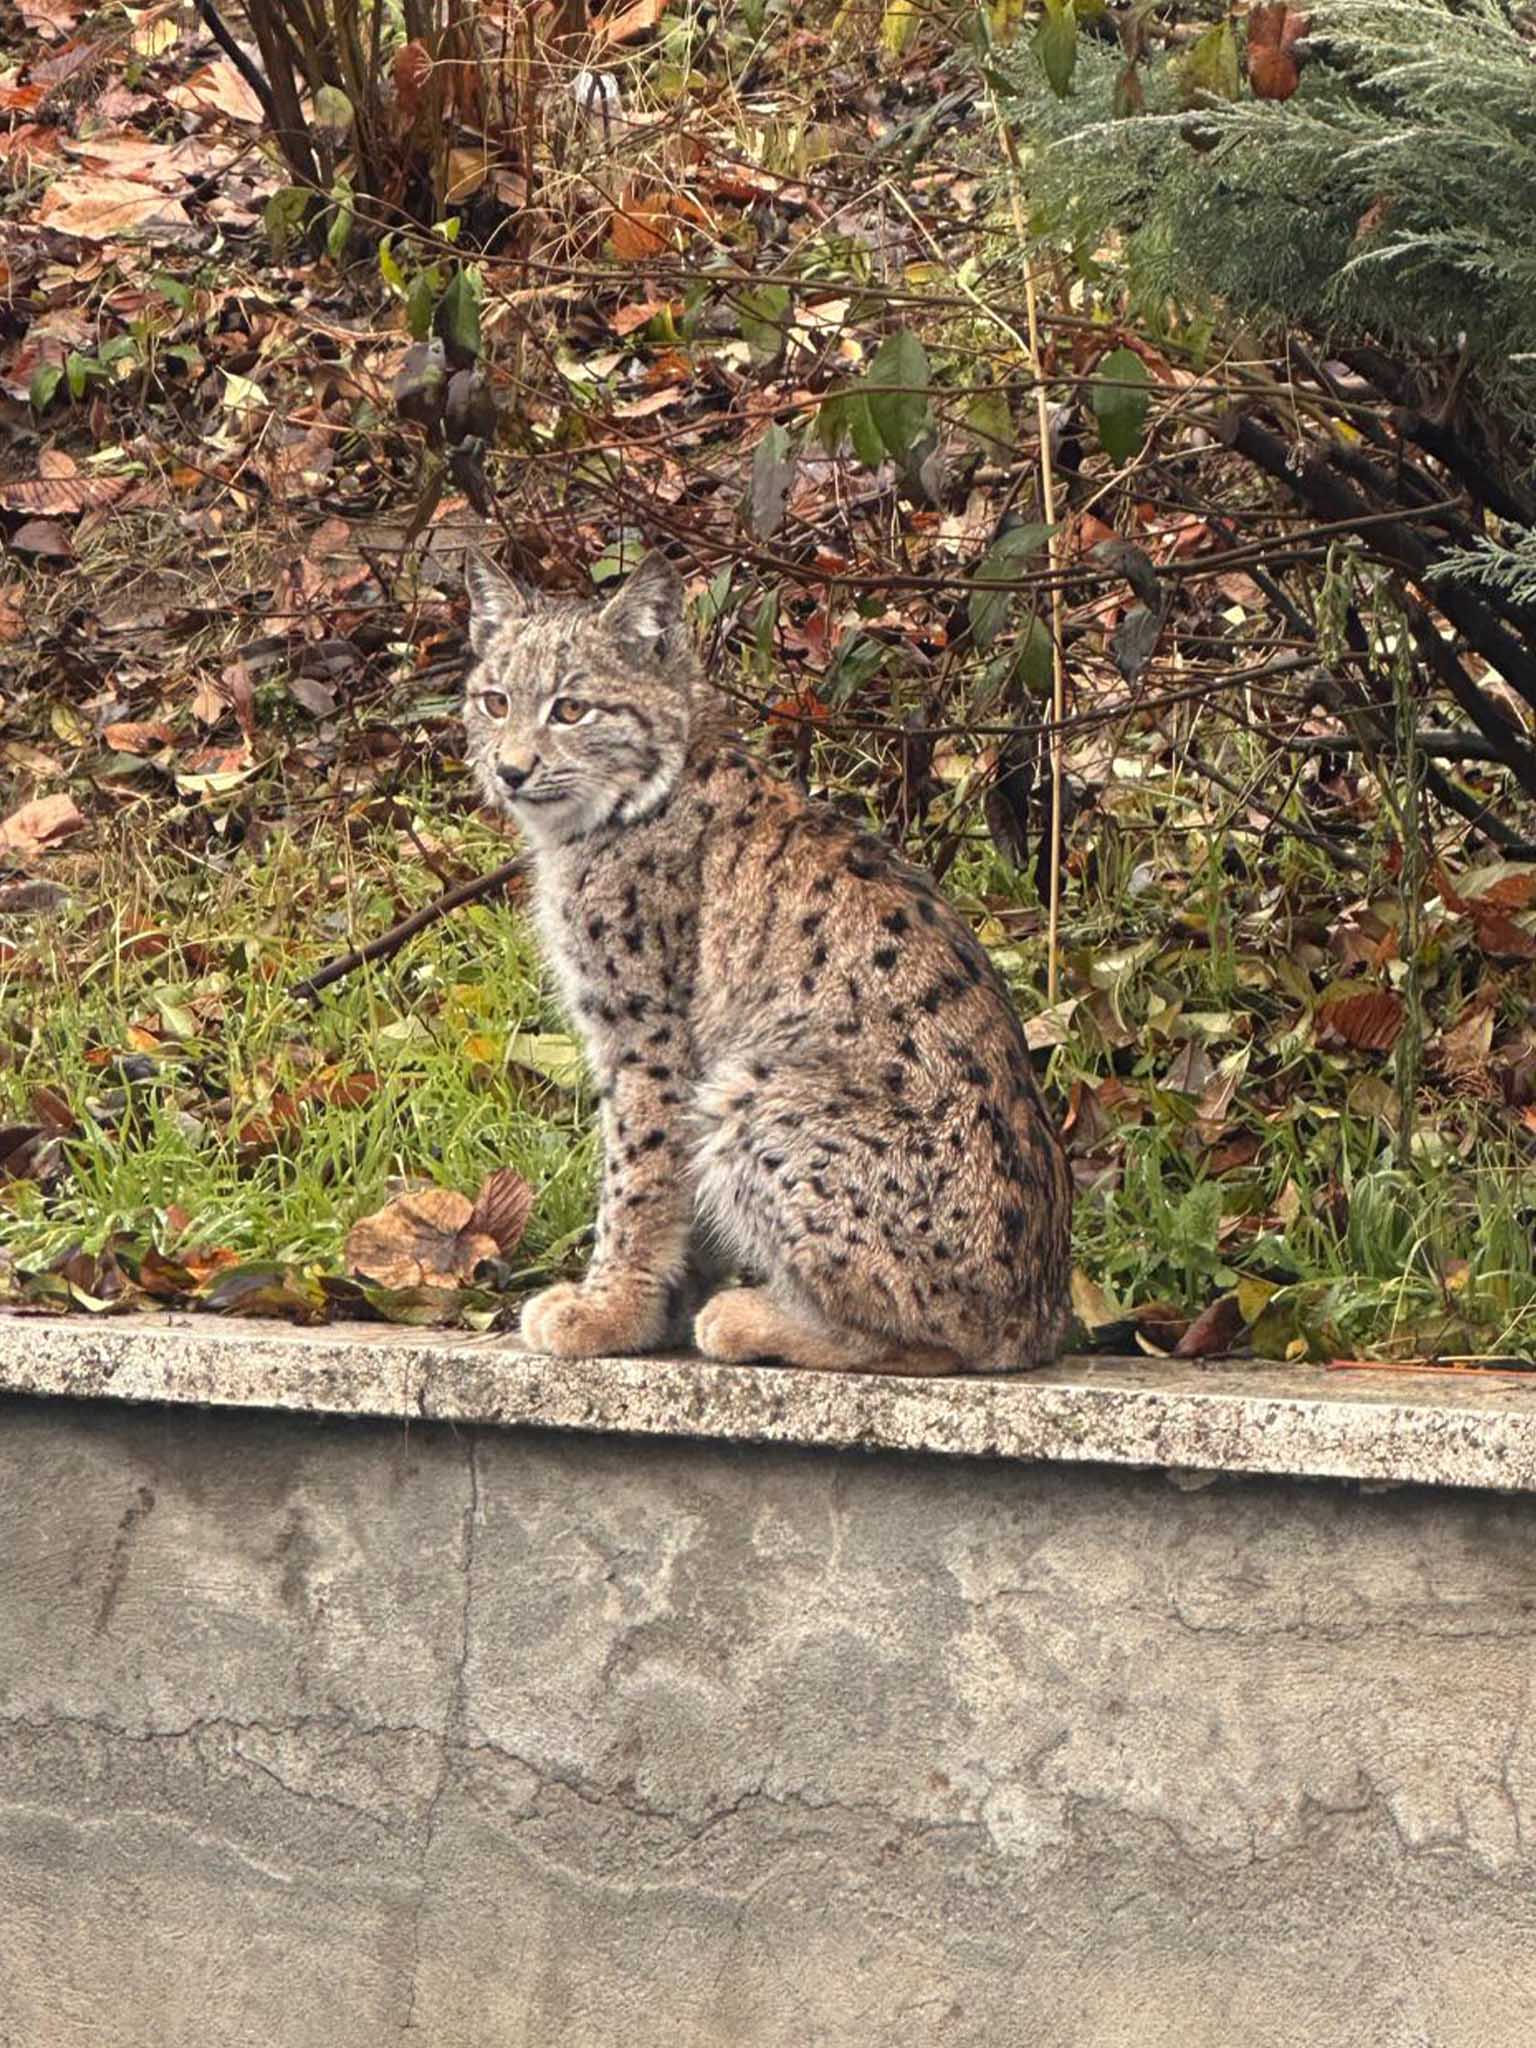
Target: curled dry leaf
<point>1214,1331</point>
<point>39,824</point>
<point>502,1209</point>
<point>436,1237</point>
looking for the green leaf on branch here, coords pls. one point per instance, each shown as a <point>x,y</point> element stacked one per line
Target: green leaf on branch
<point>339,233</point>
<point>845,416</point>
<point>1120,402</point>
<point>1056,45</point>
<point>458,316</point>
<point>763,312</point>
<point>896,388</point>
<point>1005,558</point>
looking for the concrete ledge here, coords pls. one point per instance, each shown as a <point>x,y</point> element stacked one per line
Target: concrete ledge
<point>1249,1418</point>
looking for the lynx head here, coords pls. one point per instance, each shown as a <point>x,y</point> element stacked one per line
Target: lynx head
<point>578,715</point>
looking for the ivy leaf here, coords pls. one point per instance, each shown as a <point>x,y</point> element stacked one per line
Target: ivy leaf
<point>1006,557</point>
<point>1120,404</point>
<point>1056,45</point>
<point>896,390</point>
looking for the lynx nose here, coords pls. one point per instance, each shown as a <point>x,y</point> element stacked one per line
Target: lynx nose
<point>515,773</point>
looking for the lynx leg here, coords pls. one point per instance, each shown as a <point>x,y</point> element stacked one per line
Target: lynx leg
<point>748,1322</point>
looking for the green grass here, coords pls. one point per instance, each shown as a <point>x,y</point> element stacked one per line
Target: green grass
<point>181,954</point>
<point>186,978</point>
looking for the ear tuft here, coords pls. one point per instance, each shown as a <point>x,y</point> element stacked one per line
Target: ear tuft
<point>647,614</point>
<point>493,599</point>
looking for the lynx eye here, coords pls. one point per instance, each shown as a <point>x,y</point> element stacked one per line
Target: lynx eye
<point>568,710</point>
<point>495,703</point>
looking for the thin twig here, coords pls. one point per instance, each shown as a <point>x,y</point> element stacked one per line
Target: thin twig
<point>390,942</point>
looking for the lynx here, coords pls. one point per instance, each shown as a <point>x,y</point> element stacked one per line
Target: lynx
<point>811,1078</point>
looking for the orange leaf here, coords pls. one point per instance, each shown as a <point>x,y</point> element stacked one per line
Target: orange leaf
<point>1272,74</point>
<point>132,737</point>
<point>1370,1021</point>
<point>629,22</point>
<point>633,229</point>
<point>1500,937</point>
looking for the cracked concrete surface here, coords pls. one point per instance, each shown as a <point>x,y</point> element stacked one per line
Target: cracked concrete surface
<point>319,1732</point>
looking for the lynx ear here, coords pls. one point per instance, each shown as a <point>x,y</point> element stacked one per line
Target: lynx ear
<point>493,599</point>
<point>647,614</point>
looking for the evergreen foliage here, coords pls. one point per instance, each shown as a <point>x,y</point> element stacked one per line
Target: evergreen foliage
<point>1392,198</point>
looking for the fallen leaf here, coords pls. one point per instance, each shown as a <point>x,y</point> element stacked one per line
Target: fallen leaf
<point>61,497</point>
<point>1214,1331</point>
<point>133,737</point>
<point>550,1053</point>
<point>39,824</point>
<point>43,537</point>
<point>502,1209</point>
<point>628,23</point>
<point>218,88</point>
<point>1370,1021</point>
<point>637,228</point>
<point>421,1239</point>
<point>104,209</point>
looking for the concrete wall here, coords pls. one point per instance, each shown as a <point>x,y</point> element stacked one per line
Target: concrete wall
<point>337,1733</point>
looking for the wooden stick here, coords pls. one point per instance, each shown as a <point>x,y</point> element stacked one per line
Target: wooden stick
<point>391,941</point>
<point>1053,557</point>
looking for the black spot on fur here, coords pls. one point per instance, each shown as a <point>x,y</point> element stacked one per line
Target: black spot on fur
<point>895,921</point>
<point>885,958</point>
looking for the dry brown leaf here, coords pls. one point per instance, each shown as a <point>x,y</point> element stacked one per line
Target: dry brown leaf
<point>218,88</point>
<point>62,497</point>
<point>40,823</point>
<point>1500,937</point>
<point>51,17</point>
<point>104,209</point>
<point>43,537</point>
<point>1214,1331</point>
<point>1370,1021</point>
<point>421,1239</point>
<point>1466,1046</point>
<point>133,736</point>
<point>628,23</point>
<point>502,1209</point>
<point>638,229</point>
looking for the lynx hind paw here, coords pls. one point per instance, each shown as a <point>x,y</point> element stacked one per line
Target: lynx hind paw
<point>569,1321</point>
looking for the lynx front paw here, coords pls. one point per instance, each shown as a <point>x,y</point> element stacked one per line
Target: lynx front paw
<point>579,1322</point>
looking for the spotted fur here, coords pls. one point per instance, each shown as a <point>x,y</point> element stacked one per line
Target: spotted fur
<point>811,1075</point>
